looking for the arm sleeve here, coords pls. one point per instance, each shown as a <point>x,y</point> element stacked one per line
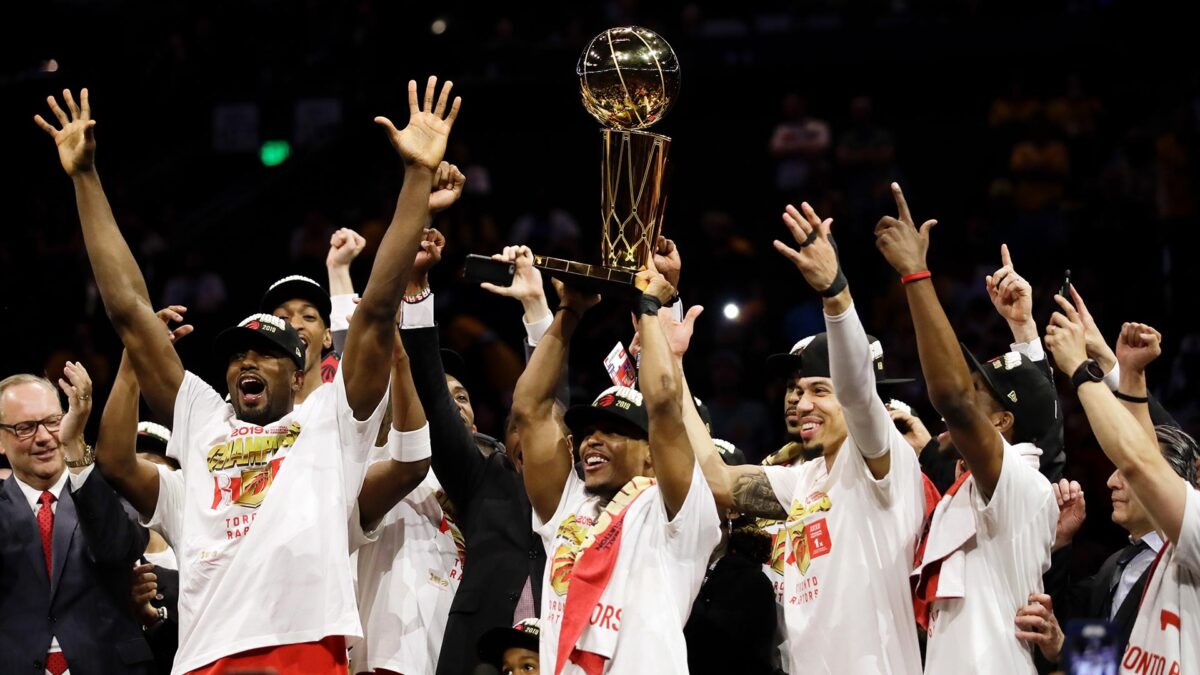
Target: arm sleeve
<point>534,332</point>
<point>850,368</point>
<point>168,512</point>
<point>113,538</point>
<point>455,459</point>
<point>1031,350</point>
<point>339,323</point>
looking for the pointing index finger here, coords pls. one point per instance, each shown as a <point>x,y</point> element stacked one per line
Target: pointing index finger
<point>1005,257</point>
<point>901,204</point>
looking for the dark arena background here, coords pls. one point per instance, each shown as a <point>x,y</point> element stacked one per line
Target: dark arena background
<point>234,137</point>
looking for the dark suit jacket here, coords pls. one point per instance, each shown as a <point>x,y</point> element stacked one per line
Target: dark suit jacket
<point>164,637</point>
<point>85,601</point>
<point>493,513</point>
<point>732,625</point>
<point>1099,604</point>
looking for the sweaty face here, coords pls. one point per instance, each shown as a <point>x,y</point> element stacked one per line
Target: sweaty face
<point>37,460</point>
<point>262,385</point>
<point>1128,512</point>
<point>613,455</point>
<point>519,661</point>
<point>463,400</point>
<point>813,415</point>
<point>307,321</point>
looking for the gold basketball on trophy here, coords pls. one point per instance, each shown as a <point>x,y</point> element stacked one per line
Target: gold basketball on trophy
<point>628,77</point>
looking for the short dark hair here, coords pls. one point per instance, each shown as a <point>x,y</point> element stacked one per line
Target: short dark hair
<point>1179,449</point>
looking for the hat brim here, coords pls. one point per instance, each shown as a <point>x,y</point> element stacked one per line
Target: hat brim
<point>290,290</point>
<point>975,366</point>
<point>231,339</point>
<point>579,417</point>
<point>496,641</point>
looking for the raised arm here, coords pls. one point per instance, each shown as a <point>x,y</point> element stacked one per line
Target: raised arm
<point>947,377</point>
<point>849,354</point>
<point>122,287</point>
<point>545,447</point>
<point>388,481</point>
<point>133,478</point>
<point>660,379</point>
<point>1012,296</point>
<point>1137,346</point>
<point>370,339</point>
<point>1123,439</point>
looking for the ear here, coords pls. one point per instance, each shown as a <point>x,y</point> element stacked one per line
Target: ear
<point>1003,420</point>
<point>297,380</point>
<point>960,467</point>
<point>327,340</point>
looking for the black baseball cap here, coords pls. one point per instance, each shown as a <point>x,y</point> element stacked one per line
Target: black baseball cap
<point>261,330</point>
<point>810,356</point>
<point>152,437</point>
<point>297,286</point>
<point>1021,386</point>
<point>615,404</point>
<point>496,641</point>
<point>453,365</point>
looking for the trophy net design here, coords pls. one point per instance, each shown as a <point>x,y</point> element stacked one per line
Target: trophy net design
<point>628,79</point>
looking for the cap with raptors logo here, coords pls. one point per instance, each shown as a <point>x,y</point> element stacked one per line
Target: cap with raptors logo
<point>810,357</point>
<point>293,287</point>
<point>261,330</point>
<point>1024,388</point>
<point>619,405</point>
<point>496,641</point>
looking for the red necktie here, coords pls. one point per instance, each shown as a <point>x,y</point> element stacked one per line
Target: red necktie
<point>45,518</point>
<point>56,663</point>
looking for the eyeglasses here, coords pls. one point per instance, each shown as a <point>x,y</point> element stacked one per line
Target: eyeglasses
<point>23,430</point>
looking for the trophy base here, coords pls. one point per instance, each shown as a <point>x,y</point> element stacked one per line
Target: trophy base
<point>587,277</point>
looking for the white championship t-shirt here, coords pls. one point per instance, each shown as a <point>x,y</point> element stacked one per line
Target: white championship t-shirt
<point>774,570</point>
<point>1166,636</point>
<point>849,551</point>
<point>658,571</point>
<point>407,579</point>
<point>1000,566</point>
<point>262,543</point>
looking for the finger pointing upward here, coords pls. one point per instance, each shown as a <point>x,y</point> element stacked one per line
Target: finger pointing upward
<point>1005,258</point>
<point>902,205</point>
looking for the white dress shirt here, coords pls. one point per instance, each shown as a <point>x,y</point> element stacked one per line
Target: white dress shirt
<point>1134,570</point>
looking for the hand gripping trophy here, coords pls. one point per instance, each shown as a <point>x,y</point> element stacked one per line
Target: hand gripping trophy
<point>628,78</point>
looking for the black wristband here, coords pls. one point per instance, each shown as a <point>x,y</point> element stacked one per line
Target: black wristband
<point>839,284</point>
<point>649,305</point>
<point>1131,399</point>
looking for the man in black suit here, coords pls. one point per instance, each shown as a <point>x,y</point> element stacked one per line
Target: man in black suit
<point>502,576</point>
<point>1115,591</point>
<point>65,554</point>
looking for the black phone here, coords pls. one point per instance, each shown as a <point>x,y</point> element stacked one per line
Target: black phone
<point>1066,287</point>
<point>481,268</point>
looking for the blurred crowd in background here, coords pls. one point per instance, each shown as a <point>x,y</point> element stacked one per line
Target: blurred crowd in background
<point>1024,123</point>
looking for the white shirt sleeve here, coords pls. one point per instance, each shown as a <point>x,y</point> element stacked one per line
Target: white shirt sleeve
<point>78,479</point>
<point>697,514</point>
<point>168,511</point>
<point>534,331</point>
<point>343,306</point>
<point>417,314</point>
<point>850,361</point>
<point>1187,549</point>
<point>1031,350</point>
<point>572,494</point>
<point>783,481</point>
<point>1022,506</point>
<point>194,400</point>
<point>357,437</point>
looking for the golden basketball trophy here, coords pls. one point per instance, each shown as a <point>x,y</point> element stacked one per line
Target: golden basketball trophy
<point>628,78</point>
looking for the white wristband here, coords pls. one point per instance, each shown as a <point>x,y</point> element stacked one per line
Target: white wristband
<point>409,446</point>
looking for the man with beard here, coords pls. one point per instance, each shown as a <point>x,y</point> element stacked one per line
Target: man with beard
<point>628,543</point>
<point>295,560</point>
<point>853,510</point>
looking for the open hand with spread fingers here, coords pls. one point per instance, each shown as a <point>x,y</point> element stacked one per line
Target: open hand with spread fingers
<point>447,187</point>
<point>901,242</point>
<point>679,333</point>
<point>1065,337</point>
<point>423,142</point>
<point>814,254</point>
<point>76,138</point>
<point>1138,346</point>
<point>77,385</point>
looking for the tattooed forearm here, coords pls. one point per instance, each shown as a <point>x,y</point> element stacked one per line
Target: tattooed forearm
<point>752,495</point>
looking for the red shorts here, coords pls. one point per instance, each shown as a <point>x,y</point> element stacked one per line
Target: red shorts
<point>327,657</point>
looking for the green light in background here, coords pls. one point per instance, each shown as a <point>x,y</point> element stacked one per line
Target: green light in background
<point>274,153</point>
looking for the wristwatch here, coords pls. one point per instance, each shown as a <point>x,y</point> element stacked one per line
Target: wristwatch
<point>89,456</point>
<point>1088,371</point>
